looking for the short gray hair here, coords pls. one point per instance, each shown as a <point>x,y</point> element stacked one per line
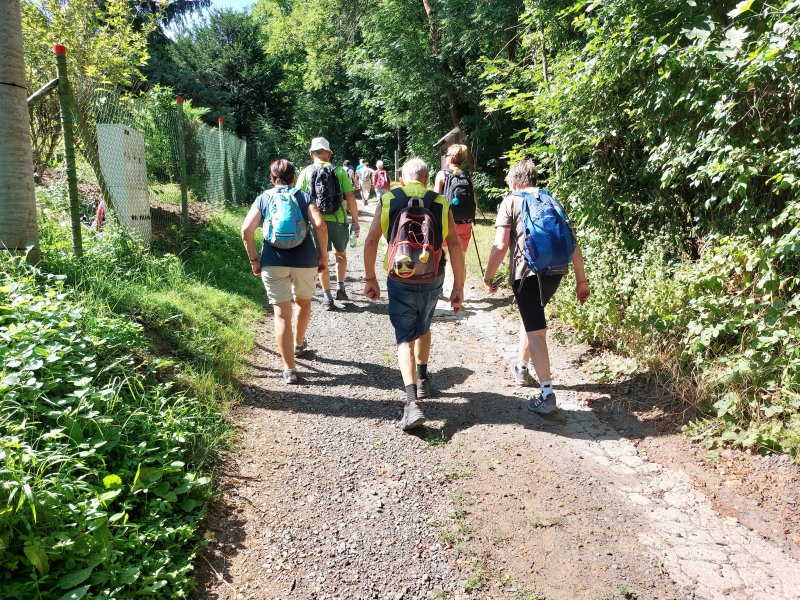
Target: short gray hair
<point>415,169</point>
<point>522,174</point>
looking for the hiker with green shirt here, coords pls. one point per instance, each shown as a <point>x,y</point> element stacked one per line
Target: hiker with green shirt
<point>331,189</point>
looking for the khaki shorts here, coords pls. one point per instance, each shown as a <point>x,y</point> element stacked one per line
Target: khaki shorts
<point>285,283</point>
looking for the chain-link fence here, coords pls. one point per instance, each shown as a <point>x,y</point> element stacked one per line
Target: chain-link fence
<point>159,168</point>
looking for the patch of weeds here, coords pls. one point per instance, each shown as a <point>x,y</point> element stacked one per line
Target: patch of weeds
<point>446,537</point>
<point>476,579</point>
<point>461,471</point>
<point>609,368</point>
<point>627,594</point>
<point>497,538</point>
<point>441,595</point>
<point>528,594</point>
<point>537,523</point>
<point>463,549</point>
<point>434,438</point>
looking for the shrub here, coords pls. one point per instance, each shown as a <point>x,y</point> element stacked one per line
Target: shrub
<point>101,483</point>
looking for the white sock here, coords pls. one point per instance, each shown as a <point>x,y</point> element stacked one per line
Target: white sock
<point>329,294</point>
<point>547,388</point>
<point>340,285</point>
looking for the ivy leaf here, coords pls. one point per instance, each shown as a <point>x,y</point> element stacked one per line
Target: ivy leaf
<point>741,8</point>
<point>36,554</point>
<point>75,594</point>
<point>112,481</point>
<point>75,578</point>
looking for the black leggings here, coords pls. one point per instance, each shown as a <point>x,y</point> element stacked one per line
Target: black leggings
<point>529,299</point>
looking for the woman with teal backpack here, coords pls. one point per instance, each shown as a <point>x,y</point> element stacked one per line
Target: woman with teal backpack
<point>289,261</point>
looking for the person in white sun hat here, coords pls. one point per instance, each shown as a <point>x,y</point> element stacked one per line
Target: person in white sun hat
<point>331,190</point>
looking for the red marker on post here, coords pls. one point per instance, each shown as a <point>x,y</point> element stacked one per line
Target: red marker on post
<point>179,100</point>
<point>59,49</point>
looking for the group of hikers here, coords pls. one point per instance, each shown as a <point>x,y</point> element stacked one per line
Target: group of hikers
<point>304,217</point>
<point>366,179</point>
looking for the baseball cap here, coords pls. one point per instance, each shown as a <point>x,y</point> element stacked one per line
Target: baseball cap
<point>319,143</point>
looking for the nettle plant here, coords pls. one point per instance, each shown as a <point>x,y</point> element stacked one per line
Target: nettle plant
<point>101,489</point>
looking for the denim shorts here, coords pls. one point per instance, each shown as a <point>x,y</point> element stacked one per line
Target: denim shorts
<point>411,307</point>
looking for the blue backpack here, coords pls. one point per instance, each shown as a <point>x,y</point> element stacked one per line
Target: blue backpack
<point>549,242</point>
<point>284,225</point>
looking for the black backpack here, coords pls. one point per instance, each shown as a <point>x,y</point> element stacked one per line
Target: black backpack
<point>458,189</point>
<point>325,190</point>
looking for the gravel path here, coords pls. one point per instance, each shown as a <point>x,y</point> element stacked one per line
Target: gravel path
<point>325,497</point>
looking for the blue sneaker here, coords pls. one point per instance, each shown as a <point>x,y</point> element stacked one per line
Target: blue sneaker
<point>542,405</point>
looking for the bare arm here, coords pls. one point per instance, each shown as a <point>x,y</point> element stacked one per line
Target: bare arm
<point>581,287</point>
<point>438,185</point>
<point>502,240</point>
<point>371,288</point>
<point>352,208</point>
<point>457,263</point>
<point>252,222</point>
<point>321,229</point>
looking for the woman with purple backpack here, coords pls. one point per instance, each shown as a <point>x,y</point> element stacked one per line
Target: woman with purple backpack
<point>381,179</point>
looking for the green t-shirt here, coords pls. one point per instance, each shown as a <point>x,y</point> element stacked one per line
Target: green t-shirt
<point>304,183</point>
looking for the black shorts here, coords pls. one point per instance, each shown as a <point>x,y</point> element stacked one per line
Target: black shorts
<point>529,299</point>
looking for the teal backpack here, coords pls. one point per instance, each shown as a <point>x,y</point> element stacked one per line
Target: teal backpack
<point>284,225</point>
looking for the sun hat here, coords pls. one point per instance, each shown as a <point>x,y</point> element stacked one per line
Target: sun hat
<point>319,143</point>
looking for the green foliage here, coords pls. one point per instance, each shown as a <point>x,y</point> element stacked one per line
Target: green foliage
<point>201,308</point>
<point>105,42</point>
<point>671,135</point>
<point>101,482</point>
<point>221,64</point>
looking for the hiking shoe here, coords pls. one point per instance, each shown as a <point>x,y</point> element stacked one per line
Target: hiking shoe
<point>341,295</point>
<point>412,416</point>
<point>290,376</point>
<point>301,349</point>
<point>542,405</point>
<point>522,376</point>
<point>329,304</point>
<point>424,388</point>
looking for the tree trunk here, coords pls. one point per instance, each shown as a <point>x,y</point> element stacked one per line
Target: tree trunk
<point>449,90</point>
<point>18,226</point>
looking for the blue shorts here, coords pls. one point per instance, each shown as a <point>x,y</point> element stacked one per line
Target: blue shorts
<point>411,307</point>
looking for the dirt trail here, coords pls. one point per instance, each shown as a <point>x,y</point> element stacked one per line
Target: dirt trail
<point>324,497</point>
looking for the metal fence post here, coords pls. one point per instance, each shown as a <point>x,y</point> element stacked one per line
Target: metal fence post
<point>67,121</point>
<point>182,161</point>
<point>225,191</point>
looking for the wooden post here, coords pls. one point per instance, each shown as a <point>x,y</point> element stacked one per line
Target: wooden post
<point>67,122</point>
<point>182,165</point>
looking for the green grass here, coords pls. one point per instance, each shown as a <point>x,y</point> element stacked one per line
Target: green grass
<point>199,307</point>
<point>114,373</point>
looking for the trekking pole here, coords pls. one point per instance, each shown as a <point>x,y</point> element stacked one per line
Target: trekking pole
<point>478,254</point>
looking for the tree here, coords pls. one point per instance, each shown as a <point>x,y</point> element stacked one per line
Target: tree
<point>18,227</point>
<point>220,63</point>
<point>106,44</point>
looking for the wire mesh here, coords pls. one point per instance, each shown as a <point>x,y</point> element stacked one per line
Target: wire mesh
<point>219,168</point>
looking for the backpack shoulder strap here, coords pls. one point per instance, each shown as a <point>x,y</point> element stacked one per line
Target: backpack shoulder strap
<point>429,198</point>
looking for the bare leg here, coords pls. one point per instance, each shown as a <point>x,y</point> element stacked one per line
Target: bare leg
<point>301,318</point>
<point>422,349</point>
<point>405,358</point>
<point>524,348</point>
<point>539,354</point>
<point>283,333</point>
<point>325,280</point>
<point>341,267</point>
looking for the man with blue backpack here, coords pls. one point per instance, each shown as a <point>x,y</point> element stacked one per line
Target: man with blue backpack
<point>289,261</point>
<point>534,225</point>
